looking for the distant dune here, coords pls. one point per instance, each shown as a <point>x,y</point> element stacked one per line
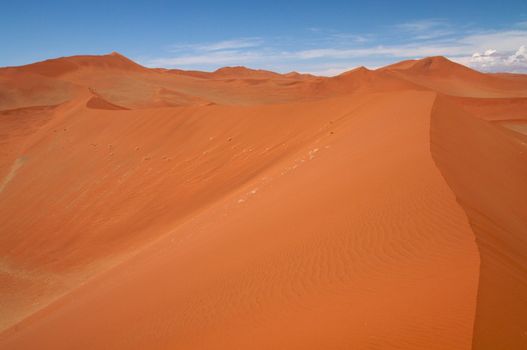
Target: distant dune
<point>245,209</point>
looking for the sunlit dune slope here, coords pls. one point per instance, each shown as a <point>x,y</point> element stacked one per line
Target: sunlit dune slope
<point>289,253</point>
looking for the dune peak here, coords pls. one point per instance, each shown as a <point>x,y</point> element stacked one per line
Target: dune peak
<point>357,70</point>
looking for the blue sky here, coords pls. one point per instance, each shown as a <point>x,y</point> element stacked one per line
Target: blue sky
<point>321,37</point>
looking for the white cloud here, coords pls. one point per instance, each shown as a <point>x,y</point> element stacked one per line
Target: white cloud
<point>399,51</point>
<point>325,69</point>
<point>519,57</point>
<point>493,60</point>
<point>228,57</point>
<point>503,40</point>
<point>233,44</point>
<point>488,58</point>
<point>357,38</point>
<point>426,29</point>
<point>422,25</point>
<point>328,72</point>
<point>240,43</point>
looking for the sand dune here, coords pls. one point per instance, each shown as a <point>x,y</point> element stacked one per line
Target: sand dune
<point>246,209</point>
<point>449,78</point>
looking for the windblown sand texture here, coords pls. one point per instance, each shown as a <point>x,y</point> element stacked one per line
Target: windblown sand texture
<point>245,209</point>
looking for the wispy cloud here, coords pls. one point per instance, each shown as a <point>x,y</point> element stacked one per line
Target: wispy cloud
<point>422,25</point>
<point>240,43</point>
<point>357,38</point>
<point>219,57</point>
<point>426,29</point>
<point>330,52</point>
<point>502,40</point>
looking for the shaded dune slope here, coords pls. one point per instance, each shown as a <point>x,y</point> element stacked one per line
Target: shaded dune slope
<point>486,166</point>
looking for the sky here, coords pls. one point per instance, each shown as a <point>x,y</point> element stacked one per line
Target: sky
<point>319,37</point>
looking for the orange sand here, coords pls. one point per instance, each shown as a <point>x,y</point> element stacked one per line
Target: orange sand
<point>244,209</point>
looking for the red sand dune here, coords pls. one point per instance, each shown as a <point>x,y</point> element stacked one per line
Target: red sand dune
<point>244,209</point>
